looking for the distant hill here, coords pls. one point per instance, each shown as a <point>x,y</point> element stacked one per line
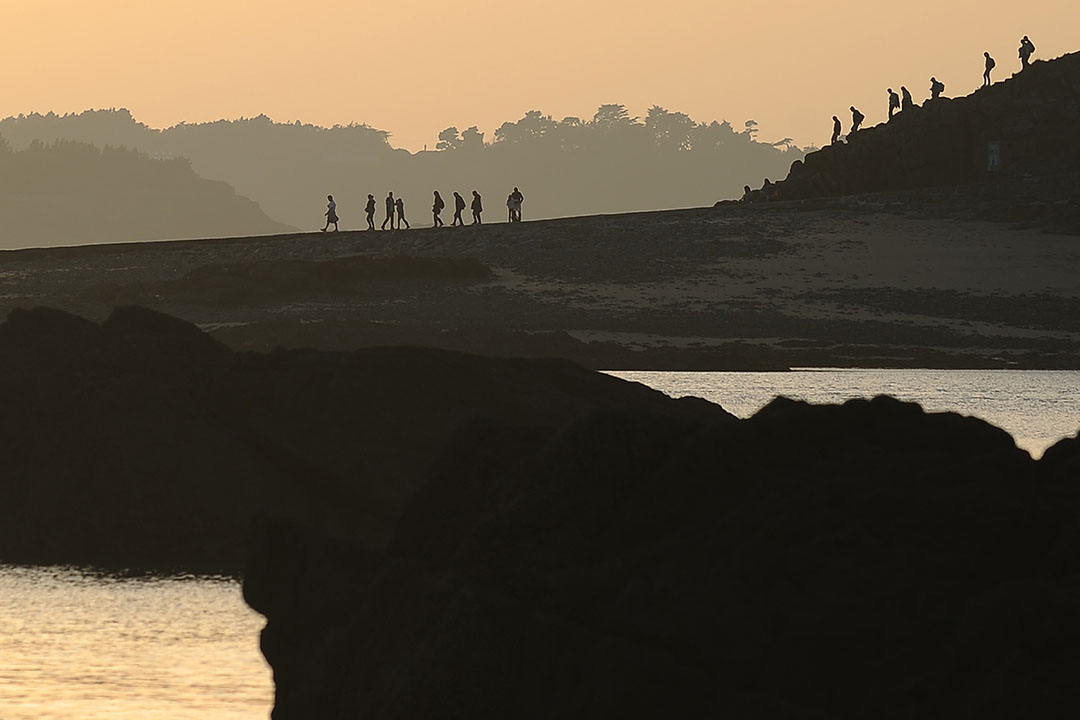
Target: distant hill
<point>71,193</point>
<point>1023,129</point>
<point>610,163</point>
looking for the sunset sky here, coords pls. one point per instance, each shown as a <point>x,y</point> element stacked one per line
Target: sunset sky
<point>414,67</point>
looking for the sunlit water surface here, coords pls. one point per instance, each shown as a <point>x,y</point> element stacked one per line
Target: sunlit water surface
<point>87,647</point>
<point>1036,407</point>
<point>75,646</point>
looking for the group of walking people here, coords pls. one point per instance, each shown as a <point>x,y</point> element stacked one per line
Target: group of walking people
<point>395,210</point>
<point>904,101</point>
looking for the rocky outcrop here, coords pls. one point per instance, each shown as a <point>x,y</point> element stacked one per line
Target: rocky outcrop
<point>144,443</point>
<point>863,560</point>
<point>1024,126</point>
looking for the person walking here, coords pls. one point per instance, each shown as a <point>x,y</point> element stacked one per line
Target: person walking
<point>906,101</point>
<point>459,206</point>
<point>836,130</point>
<point>518,199</point>
<point>894,103</point>
<point>990,65</point>
<point>477,208</point>
<point>936,88</point>
<point>389,212</point>
<point>331,214</point>
<point>856,120</point>
<point>400,205</point>
<point>437,208</point>
<point>1027,49</point>
<point>370,210</point>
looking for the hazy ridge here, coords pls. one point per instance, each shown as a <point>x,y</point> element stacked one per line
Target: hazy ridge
<point>609,163</point>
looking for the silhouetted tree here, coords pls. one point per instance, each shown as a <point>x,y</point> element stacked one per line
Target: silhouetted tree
<point>449,139</point>
<point>751,129</point>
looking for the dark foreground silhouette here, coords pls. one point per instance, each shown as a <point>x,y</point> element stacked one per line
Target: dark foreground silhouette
<point>448,535</point>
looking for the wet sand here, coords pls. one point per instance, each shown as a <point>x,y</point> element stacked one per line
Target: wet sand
<point>763,287</point>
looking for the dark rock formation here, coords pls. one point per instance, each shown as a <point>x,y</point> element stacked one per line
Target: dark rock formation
<point>145,443</point>
<point>864,560</point>
<point>1025,125</point>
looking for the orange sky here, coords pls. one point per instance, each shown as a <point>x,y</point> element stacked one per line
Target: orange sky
<point>414,67</point>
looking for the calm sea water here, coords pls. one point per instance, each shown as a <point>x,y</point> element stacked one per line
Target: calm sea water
<point>75,646</point>
<point>85,647</point>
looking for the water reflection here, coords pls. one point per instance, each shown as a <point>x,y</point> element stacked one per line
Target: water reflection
<point>78,645</point>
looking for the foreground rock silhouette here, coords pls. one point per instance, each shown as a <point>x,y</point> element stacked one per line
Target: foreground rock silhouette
<point>438,534</point>
<point>143,443</point>
<point>864,560</point>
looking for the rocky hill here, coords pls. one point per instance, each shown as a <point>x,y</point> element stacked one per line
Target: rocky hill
<point>1024,127</point>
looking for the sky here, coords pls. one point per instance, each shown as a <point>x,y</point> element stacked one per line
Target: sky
<point>415,67</point>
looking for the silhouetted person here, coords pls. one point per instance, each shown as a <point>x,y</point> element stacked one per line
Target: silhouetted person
<point>477,208</point>
<point>836,129</point>
<point>856,120</point>
<point>906,103</point>
<point>1027,49</point>
<point>990,65</point>
<point>518,199</point>
<point>331,214</point>
<point>400,205</point>
<point>389,212</point>
<point>370,210</point>
<point>747,194</point>
<point>437,208</point>
<point>894,103</point>
<point>936,88</point>
<point>459,207</point>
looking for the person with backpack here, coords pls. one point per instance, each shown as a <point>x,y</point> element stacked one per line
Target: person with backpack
<point>459,206</point>
<point>331,214</point>
<point>370,210</point>
<point>1027,49</point>
<point>990,65</point>
<point>400,206</point>
<point>836,130</point>
<point>518,199</point>
<point>894,103</point>
<point>437,208</point>
<point>477,208</point>
<point>856,120</point>
<point>936,88</point>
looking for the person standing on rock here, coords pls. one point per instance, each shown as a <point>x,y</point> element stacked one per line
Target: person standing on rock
<point>389,212</point>
<point>459,206</point>
<point>836,130</point>
<point>437,208</point>
<point>936,88</point>
<point>400,206</point>
<point>894,103</point>
<point>906,101</point>
<point>1027,49</point>
<point>856,120</point>
<point>331,214</point>
<point>990,65</point>
<point>370,210</point>
<point>518,199</point>
<point>477,208</point>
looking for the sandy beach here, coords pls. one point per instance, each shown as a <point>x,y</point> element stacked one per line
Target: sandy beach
<point>832,283</point>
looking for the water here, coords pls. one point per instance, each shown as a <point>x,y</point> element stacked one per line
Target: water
<point>1036,407</point>
<point>75,646</point>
